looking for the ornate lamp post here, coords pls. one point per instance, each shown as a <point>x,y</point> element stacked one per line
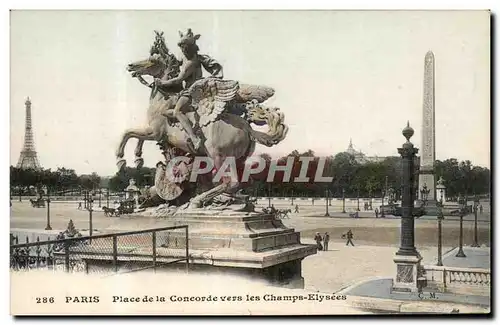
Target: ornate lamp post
<point>440,218</point>
<point>48,211</point>
<point>20,193</point>
<point>269,193</point>
<point>91,201</point>
<point>107,197</point>
<point>461,237</point>
<point>326,203</point>
<point>407,257</point>
<point>100,191</point>
<point>343,200</point>
<point>292,198</point>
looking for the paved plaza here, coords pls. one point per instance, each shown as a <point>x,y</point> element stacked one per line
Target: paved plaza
<point>376,240</point>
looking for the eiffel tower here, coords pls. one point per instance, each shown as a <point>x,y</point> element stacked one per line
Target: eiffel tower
<point>28,158</point>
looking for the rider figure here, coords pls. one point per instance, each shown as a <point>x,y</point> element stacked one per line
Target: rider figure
<point>190,72</point>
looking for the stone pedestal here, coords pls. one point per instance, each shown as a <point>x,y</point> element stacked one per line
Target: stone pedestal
<point>244,242</point>
<point>250,244</point>
<point>407,273</point>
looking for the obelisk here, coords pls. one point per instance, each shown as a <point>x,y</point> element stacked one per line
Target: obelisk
<point>428,146</point>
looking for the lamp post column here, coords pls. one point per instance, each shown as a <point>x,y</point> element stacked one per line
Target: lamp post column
<point>440,238</point>
<point>407,258</point>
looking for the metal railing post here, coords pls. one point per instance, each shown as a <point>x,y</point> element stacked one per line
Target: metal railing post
<point>66,255</point>
<point>115,253</point>
<point>187,250</point>
<point>154,251</point>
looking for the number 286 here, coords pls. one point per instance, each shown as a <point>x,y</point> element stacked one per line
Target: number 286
<point>45,300</point>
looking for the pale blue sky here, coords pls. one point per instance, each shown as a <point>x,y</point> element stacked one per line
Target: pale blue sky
<point>337,75</point>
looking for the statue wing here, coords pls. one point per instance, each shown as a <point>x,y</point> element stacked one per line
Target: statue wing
<point>253,92</point>
<point>210,97</point>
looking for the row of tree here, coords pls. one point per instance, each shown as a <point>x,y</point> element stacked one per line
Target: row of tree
<point>58,181</point>
<point>350,178</point>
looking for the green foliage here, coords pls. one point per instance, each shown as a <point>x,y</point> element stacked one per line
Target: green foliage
<point>370,179</point>
<point>143,176</point>
<point>348,175</point>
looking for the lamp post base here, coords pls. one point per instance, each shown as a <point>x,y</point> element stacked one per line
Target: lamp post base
<point>48,228</point>
<point>407,273</point>
<point>460,253</point>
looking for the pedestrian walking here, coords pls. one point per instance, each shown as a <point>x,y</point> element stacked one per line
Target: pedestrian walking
<point>79,205</point>
<point>326,240</point>
<point>349,237</point>
<point>296,208</point>
<point>480,209</point>
<point>376,212</point>
<point>318,240</point>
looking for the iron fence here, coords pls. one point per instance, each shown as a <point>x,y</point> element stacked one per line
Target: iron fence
<point>118,252</point>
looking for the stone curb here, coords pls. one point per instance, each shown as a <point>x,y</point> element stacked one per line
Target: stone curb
<point>412,307</point>
<point>407,306</point>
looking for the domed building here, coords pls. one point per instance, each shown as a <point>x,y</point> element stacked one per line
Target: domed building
<point>360,157</point>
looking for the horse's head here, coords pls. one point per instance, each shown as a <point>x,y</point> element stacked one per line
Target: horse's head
<point>153,66</point>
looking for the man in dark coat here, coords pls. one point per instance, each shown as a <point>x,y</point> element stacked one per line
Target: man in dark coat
<point>349,237</point>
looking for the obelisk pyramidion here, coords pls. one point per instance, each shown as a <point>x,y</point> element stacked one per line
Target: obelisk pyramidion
<point>428,153</point>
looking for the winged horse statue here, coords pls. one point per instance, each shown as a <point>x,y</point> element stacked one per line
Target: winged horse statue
<point>221,111</point>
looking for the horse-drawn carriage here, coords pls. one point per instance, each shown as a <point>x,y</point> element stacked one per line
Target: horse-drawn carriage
<point>38,203</point>
<point>125,207</point>
<point>278,214</point>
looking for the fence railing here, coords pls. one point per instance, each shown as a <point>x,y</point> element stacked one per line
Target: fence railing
<point>459,280</point>
<point>124,251</point>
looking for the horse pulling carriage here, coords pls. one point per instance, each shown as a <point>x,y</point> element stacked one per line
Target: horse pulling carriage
<point>125,207</point>
<point>278,214</point>
<point>38,203</point>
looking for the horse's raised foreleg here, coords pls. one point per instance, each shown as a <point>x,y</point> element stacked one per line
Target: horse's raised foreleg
<point>143,134</point>
<point>139,161</point>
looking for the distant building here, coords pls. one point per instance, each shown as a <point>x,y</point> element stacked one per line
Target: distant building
<point>360,157</point>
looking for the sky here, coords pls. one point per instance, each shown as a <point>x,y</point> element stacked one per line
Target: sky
<point>337,75</point>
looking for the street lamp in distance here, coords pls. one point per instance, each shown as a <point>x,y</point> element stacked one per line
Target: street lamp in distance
<point>476,201</point>
<point>461,235</point>
<point>48,227</point>
<point>326,203</point>
<point>343,200</point>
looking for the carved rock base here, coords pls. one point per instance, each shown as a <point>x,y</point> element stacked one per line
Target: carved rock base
<point>407,269</point>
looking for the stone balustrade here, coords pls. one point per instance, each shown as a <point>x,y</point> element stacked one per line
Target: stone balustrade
<point>474,281</point>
